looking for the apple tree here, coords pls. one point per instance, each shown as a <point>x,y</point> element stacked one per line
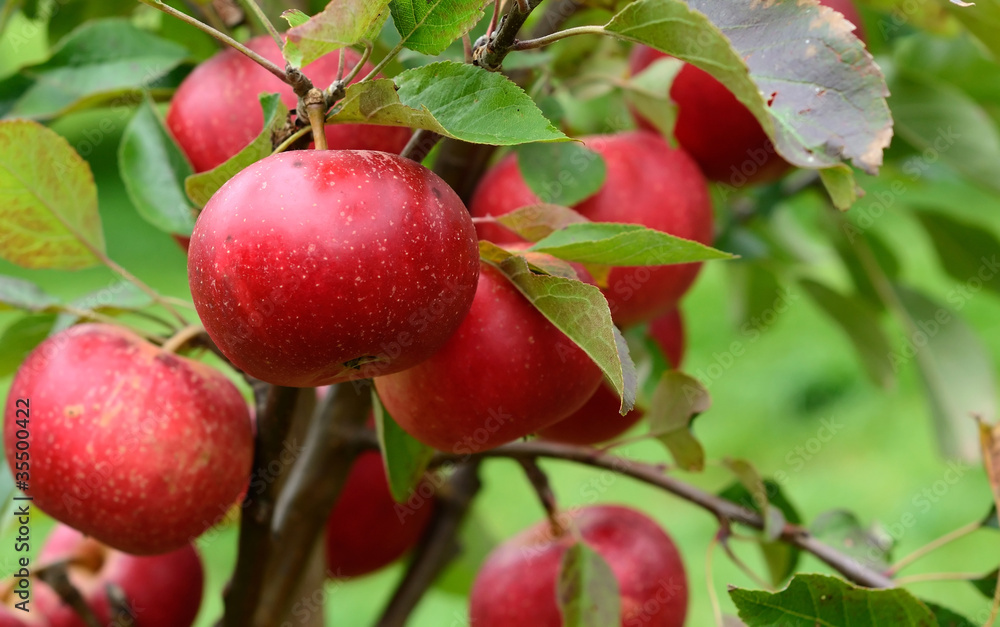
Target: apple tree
<point>393,253</point>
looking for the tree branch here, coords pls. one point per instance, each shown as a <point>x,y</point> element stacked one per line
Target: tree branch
<point>309,494</point>
<point>489,54</point>
<point>56,577</point>
<point>274,418</point>
<point>540,482</point>
<point>438,546</point>
<point>721,508</point>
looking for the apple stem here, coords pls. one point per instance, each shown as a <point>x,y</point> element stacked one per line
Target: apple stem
<point>254,8</point>
<point>437,547</point>
<point>56,577</point>
<point>540,482</point>
<point>931,546</point>
<point>341,66</point>
<point>182,337</point>
<point>271,67</point>
<point>493,20</point>
<point>315,107</point>
<point>529,44</point>
<point>420,145</point>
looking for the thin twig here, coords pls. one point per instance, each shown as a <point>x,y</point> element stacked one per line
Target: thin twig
<point>309,494</point>
<point>274,415</point>
<point>420,145</point>
<point>182,337</point>
<point>224,38</point>
<point>713,596</point>
<point>962,531</point>
<point>795,535</point>
<point>254,8</point>
<point>540,482</point>
<point>490,54</point>
<point>530,44</point>
<point>493,20</point>
<point>55,576</point>
<point>438,546</point>
<point>341,64</point>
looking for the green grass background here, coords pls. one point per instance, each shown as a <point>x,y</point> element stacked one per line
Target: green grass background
<point>770,401</point>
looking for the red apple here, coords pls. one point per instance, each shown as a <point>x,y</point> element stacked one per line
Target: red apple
<point>367,529</point>
<point>161,590</point>
<point>12,617</point>
<point>215,112</point>
<point>517,584</point>
<point>506,372</point>
<point>599,419</point>
<point>139,448</point>
<point>721,134</point>
<point>313,267</point>
<point>647,183</point>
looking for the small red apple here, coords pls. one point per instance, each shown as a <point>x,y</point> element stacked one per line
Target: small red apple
<point>139,448</point>
<point>506,372</point>
<point>314,267</point>
<point>647,183</point>
<point>161,590</point>
<point>599,419</point>
<point>367,529</point>
<point>215,112</point>
<point>517,584</point>
<point>13,617</point>
<point>721,134</point>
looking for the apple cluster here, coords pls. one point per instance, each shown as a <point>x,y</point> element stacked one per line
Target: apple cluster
<point>316,267</point>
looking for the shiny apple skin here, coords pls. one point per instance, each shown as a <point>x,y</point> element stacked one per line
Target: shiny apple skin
<point>516,586</point>
<point>315,267</point>
<point>505,373</point>
<point>139,448</point>
<point>647,183</point>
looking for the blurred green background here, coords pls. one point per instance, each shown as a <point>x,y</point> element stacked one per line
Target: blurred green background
<point>769,406</point>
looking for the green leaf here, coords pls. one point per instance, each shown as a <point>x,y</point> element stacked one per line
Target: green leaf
<point>24,295</point>
<point>405,458</point>
<point>820,600</point>
<point>841,529</point>
<point>98,62</point>
<point>827,105</point>
<point>649,94</point>
<point>781,558</point>
<point>453,99</point>
<point>938,118</point>
<point>966,251</point>
<point>861,324</point>
<point>535,222</point>
<point>948,618</point>
<point>581,312</point>
<point>615,244</point>
<point>955,367</point>
<point>841,186</point>
<point>983,22</point>
<point>429,26</point>
<point>202,186</point>
<point>676,401</point>
<point>20,338</point>
<point>757,490</point>
<point>153,169</point>
<point>588,591</point>
<point>295,17</point>
<point>987,584</point>
<point>561,173</point>
<point>342,23</point>
<point>48,200</point>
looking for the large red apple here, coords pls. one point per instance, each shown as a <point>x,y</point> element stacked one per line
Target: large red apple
<point>517,584</point>
<point>215,112</point>
<point>367,529</point>
<point>161,590</point>
<point>313,267</point>
<point>139,448</point>
<point>599,419</point>
<point>721,134</point>
<point>506,372</point>
<point>647,183</point>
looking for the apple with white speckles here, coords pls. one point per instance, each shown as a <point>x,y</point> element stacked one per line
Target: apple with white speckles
<point>505,373</point>
<point>161,590</point>
<point>316,267</point>
<point>135,446</point>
